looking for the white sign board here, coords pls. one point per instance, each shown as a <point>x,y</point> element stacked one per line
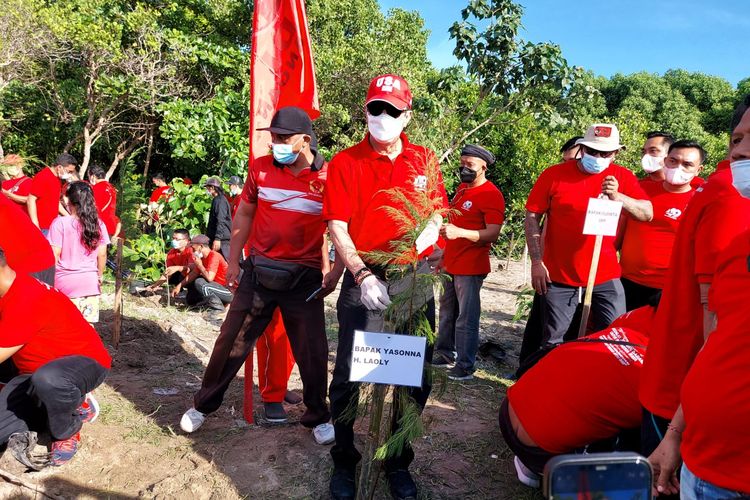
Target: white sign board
<point>602,217</point>
<point>387,358</point>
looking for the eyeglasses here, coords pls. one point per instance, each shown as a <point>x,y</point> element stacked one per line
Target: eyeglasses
<point>601,154</point>
<point>376,108</point>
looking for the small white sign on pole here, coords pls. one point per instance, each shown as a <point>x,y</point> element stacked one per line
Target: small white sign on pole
<point>602,217</point>
<point>387,358</point>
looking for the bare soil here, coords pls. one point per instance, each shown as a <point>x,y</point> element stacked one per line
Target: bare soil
<point>136,448</point>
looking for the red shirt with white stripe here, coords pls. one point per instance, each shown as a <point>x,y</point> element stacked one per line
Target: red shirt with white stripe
<point>20,186</point>
<point>287,225</point>
<point>360,191</point>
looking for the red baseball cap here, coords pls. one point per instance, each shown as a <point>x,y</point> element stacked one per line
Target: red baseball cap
<point>390,88</point>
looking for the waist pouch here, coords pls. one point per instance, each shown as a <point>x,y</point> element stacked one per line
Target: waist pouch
<point>276,275</point>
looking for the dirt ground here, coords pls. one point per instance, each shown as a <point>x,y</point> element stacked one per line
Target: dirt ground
<point>136,448</point>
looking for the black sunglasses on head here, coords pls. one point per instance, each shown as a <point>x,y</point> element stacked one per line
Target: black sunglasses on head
<point>376,108</point>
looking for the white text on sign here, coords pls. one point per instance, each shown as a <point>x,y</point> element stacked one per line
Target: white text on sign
<point>387,358</point>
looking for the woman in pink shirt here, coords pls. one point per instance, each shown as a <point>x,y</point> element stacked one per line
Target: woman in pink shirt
<point>79,242</point>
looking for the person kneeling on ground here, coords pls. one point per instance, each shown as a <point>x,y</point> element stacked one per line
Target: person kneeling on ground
<point>179,259</point>
<point>579,395</point>
<point>206,282</point>
<point>60,360</point>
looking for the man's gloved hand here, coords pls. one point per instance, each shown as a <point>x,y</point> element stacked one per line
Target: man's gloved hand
<point>374,294</point>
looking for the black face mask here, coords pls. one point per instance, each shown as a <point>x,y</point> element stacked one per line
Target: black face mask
<point>467,175</point>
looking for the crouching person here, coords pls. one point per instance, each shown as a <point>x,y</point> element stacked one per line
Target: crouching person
<point>60,360</point>
<point>206,282</point>
<point>582,395</point>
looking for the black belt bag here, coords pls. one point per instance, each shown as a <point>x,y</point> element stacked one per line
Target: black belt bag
<point>276,275</point>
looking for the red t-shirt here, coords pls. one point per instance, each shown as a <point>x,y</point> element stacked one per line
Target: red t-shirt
<point>713,218</point>
<point>360,192</point>
<point>287,225</point>
<point>105,197</point>
<point>20,186</point>
<point>26,248</point>
<point>214,262</point>
<point>47,324</point>
<point>476,208</point>
<point>583,392</point>
<point>563,192</point>
<point>47,187</point>
<point>234,202</point>
<point>647,246</point>
<point>180,258</point>
<point>159,193</point>
<point>716,442</point>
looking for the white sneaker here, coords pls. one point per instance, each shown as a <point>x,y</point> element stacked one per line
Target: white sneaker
<point>526,475</point>
<point>192,420</point>
<point>324,433</point>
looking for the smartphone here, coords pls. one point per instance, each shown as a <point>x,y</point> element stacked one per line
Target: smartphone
<point>600,476</point>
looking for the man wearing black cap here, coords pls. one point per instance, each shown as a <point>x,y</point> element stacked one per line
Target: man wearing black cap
<point>219,229</point>
<point>478,212</point>
<point>282,203</point>
<point>235,190</point>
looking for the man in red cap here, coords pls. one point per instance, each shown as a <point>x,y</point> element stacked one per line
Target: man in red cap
<point>356,206</point>
<point>562,193</point>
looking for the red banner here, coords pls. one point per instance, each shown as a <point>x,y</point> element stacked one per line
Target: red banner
<point>282,72</point>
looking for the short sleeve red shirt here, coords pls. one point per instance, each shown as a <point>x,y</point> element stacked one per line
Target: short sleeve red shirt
<point>47,324</point>
<point>586,408</point>
<point>180,258</point>
<point>287,225</point>
<point>47,188</point>
<point>26,248</point>
<point>716,443</point>
<point>360,185</point>
<point>475,208</point>
<point>677,335</point>
<point>214,262</point>
<point>162,192</point>
<point>563,192</point>
<point>647,246</point>
<point>105,197</point>
<point>20,186</point>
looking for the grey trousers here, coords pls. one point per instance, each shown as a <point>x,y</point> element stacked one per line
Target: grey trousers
<point>458,331</point>
<point>560,302</point>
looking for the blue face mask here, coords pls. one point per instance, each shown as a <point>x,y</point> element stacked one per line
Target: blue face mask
<point>284,154</point>
<point>593,164</point>
<point>741,176</point>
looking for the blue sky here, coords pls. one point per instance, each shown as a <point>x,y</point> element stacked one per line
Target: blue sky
<point>618,36</point>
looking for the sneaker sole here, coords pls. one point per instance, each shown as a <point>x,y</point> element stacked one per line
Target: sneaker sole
<point>465,377</point>
<point>276,420</point>
<point>523,478</point>
<point>95,405</point>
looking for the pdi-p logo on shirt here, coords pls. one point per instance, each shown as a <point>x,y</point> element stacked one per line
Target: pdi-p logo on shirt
<point>673,213</point>
<point>420,182</point>
<point>466,205</point>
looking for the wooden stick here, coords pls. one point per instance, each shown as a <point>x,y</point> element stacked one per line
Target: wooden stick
<point>13,479</point>
<point>590,286</point>
<point>118,295</point>
<point>370,468</point>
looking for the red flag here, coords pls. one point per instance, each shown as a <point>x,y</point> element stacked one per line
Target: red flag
<point>282,72</point>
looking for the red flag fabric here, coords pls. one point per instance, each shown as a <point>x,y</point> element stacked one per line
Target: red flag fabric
<point>282,72</point>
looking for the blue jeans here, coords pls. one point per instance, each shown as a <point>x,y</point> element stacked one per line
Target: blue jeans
<point>694,488</point>
<point>458,331</point>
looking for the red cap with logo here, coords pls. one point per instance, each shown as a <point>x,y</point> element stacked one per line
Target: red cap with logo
<point>392,89</point>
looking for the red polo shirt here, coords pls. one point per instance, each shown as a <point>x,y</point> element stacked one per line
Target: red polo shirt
<point>591,389</point>
<point>713,218</point>
<point>563,192</point>
<point>647,246</point>
<point>180,258</point>
<point>47,187</point>
<point>47,324</point>
<point>473,208</point>
<point>26,248</point>
<point>105,197</point>
<point>287,225</point>
<point>361,192</point>
<point>716,442</point>
<point>20,186</point>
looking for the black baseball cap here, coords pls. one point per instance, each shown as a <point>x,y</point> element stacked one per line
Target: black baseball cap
<point>290,120</point>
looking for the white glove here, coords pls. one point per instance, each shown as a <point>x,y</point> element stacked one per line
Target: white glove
<point>374,294</point>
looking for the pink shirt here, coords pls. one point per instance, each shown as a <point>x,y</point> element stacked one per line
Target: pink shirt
<point>76,273</point>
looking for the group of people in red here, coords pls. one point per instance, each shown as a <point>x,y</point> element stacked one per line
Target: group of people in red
<point>664,371</point>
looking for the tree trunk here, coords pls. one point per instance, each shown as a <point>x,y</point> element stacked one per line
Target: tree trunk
<point>87,143</point>
<point>123,150</point>
<point>149,150</point>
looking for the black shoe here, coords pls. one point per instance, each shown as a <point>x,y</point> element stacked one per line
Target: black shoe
<point>292,398</point>
<point>442,361</point>
<point>402,485</point>
<point>457,373</point>
<point>342,486</point>
<point>274,412</point>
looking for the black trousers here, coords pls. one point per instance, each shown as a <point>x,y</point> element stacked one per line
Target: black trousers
<point>249,314</point>
<point>534,330</point>
<point>208,293</point>
<point>344,395</point>
<point>637,295</point>
<point>49,398</point>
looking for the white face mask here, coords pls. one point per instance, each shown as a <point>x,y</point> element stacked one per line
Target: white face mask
<point>741,176</point>
<point>677,176</point>
<point>652,164</point>
<point>594,164</point>
<point>235,190</point>
<point>384,127</point>
<point>198,254</point>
